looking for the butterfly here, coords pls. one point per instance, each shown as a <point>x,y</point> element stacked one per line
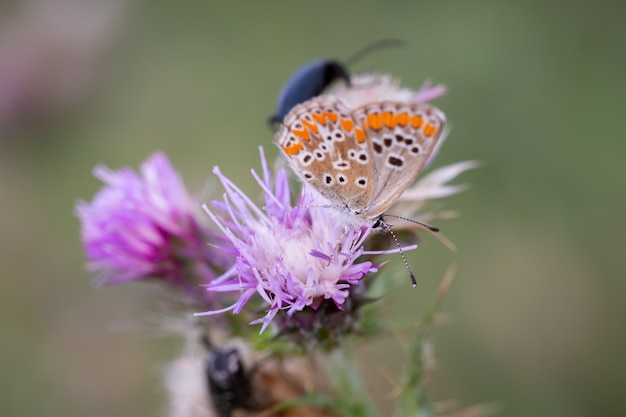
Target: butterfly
<point>360,160</point>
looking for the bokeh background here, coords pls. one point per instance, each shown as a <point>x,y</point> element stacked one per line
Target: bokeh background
<point>535,317</point>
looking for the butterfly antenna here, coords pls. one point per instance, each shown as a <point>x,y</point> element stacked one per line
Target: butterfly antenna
<point>431,228</point>
<point>395,239</point>
<point>373,47</point>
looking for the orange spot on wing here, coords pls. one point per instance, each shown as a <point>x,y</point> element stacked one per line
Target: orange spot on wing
<point>311,126</point>
<point>360,135</point>
<point>319,118</point>
<point>417,121</point>
<point>375,121</point>
<point>402,119</point>
<point>293,149</point>
<point>389,120</point>
<point>347,125</point>
<point>429,129</point>
<point>331,116</point>
<point>302,134</point>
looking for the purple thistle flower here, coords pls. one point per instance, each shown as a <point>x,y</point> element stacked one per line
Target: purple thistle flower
<point>294,257</point>
<point>142,225</point>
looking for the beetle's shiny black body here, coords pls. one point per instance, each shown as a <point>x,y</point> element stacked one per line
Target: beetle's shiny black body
<point>308,81</point>
<point>229,383</point>
<point>312,78</point>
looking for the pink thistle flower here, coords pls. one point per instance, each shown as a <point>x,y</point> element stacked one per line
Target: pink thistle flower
<point>293,257</point>
<point>143,225</point>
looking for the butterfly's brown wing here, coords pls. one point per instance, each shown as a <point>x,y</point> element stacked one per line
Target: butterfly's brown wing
<point>328,151</point>
<point>401,138</point>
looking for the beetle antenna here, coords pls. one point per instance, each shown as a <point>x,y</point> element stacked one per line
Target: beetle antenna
<point>373,47</point>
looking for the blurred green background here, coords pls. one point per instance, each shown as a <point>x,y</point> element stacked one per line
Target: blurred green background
<point>535,317</point>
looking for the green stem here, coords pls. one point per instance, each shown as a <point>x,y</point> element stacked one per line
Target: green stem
<point>414,400</point>
<point>352,400</point>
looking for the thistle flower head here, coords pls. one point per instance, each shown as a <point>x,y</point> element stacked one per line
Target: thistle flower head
<point>293,256</point>
<point>371,88</point>
<point>142,225</point>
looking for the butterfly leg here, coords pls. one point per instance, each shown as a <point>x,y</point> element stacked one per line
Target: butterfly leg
<point>338,246</point>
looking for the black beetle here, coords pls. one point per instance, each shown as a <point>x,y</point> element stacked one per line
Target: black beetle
<point>307,82</point>
<point>312,78</point>
<point>229,383</point>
